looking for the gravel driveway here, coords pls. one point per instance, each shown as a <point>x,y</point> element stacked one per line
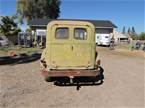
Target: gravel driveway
<point>22,85</point>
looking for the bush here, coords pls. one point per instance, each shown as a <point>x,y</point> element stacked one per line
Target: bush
<point>134,37</point>
<point>142,36</point>
<point>8,26</point>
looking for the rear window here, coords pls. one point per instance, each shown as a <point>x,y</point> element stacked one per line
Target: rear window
<point>62,33</point>
<point>106,37</point>
<point>80,34</point>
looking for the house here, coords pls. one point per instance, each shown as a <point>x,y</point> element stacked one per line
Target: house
<point>39,26</point>
<point>119,36</point>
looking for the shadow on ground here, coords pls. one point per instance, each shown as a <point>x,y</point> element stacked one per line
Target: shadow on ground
<point>22,58</point>
<point>79,81</point>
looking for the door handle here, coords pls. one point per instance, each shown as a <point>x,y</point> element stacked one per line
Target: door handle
<point>72,48</point>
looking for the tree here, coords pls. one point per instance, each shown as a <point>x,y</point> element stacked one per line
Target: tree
<point>30,9</point>
<point>8,26</point>
<point>142,36</point>
<point>28,30</point>
<point>133,31</point>
<point>123,31</point>
<point>129,32</point>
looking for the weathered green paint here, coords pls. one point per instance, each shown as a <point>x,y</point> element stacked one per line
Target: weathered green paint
<point>69,53</point>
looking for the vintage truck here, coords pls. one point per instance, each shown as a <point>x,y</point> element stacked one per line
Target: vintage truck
<point>70,50</point>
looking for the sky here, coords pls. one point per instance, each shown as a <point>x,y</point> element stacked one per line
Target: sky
<point>126,13</point>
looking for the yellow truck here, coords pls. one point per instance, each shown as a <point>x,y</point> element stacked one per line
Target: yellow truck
<point>70,50</point>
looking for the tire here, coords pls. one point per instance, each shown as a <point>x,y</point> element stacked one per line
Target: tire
<point>48,79</point>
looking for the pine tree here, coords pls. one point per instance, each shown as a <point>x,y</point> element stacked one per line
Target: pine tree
<point>123,31</point>
<point>133,31</point>
<point>129,32</point>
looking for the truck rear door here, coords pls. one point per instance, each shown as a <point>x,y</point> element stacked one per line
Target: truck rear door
<point>60,47</point>
<point>83,47</point>
<point>72,47</point>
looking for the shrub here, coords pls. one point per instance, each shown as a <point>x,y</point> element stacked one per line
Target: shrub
<point>142,36</point>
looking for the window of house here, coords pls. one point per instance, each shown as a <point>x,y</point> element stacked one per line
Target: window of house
<point>106,37</point>
<point>80,34</point>
<point>62,33</point>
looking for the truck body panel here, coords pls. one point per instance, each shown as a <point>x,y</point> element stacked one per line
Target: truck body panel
<point>70,45</point>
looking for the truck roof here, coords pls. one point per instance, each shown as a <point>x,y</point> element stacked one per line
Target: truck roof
<point>70,22</point>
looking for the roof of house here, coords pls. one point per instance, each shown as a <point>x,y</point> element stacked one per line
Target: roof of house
<point>97,23</point>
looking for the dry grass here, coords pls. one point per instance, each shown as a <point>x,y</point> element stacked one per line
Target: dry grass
<point>5,51</point>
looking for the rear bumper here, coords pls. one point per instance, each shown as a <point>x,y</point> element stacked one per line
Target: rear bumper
<point>70,73</point>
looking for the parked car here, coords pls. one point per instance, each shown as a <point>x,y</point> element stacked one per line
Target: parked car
<point>70,50</point>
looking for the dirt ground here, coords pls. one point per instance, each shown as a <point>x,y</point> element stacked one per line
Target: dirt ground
<point>22,85</point>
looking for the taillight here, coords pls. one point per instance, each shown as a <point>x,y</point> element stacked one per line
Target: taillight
<point>43,63</point>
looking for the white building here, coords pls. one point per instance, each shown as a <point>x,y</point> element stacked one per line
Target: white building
<point>119,36</point>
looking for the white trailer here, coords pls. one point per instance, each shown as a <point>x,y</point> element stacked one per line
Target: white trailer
<point>103,39</point>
